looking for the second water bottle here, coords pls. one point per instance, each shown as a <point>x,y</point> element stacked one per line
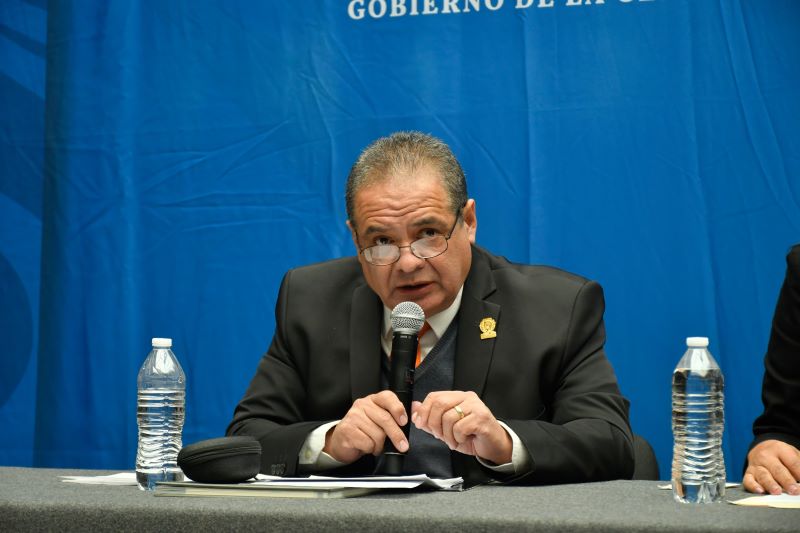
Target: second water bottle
<point>698,466</point>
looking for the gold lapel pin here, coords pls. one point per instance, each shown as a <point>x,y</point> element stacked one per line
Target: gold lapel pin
<point>487,326</point>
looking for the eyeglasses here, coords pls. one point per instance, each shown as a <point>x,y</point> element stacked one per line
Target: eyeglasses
<point>425,248</point>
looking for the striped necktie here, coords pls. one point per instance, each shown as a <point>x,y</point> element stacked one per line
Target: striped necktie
<point>425,329</point>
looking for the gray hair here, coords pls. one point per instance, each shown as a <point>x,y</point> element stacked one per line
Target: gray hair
<point>406,152</point>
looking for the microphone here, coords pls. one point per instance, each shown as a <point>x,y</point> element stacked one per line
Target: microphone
<point>407,319</point>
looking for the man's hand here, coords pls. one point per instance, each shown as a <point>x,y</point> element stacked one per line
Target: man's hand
<point>463,422</point>
<point>773,466</point>
<point>365,427</point>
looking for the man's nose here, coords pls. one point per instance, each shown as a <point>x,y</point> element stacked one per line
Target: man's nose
<point>409,262</point>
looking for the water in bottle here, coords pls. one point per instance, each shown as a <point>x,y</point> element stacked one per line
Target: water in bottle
<point>160,414</point>
<point>698,467</point>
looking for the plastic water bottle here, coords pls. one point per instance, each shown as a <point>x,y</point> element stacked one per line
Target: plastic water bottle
<point>160,414</point>
<point>698,467</point>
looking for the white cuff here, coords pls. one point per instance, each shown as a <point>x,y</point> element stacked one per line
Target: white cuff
<point>312,458</point>
<point>520,458</point>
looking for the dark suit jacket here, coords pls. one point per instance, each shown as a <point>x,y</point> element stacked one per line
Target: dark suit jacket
<point>545,374</point>
<point>781,389</point>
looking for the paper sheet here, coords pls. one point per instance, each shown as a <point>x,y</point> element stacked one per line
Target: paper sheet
<point>781,501</point>
<point>381,482</point>
<point>122,478</point>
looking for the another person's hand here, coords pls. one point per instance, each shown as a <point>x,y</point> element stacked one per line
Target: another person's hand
<point>365,427</point>
<point>463,422</point>
<point>773,466</point>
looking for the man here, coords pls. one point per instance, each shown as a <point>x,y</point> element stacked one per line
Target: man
<point>513,384</point>
<point>773,463</point>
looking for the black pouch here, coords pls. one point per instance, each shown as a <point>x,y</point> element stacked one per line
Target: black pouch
<point>222,460</point>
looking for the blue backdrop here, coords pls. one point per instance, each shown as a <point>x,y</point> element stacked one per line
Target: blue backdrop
<point>163,163</point>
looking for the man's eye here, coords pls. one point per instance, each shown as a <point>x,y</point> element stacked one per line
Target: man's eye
<point>382,240</point>
<point>428,233</point>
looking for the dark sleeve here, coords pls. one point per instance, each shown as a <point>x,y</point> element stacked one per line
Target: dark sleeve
<point>781,388</point>
<point>274,408</point>
<point>587,436</point>
<point>271,408</point>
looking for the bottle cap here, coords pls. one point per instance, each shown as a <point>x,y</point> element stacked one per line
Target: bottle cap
<point>697,342</point>
<point>162,343</point>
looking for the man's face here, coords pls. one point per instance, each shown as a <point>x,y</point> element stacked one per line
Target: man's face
<point>399,212</point>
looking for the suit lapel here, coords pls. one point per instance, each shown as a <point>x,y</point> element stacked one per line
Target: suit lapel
<point>365,345</point>
<point>473,354</point>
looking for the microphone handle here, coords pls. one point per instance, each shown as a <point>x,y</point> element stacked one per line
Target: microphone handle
<point>401,382</point>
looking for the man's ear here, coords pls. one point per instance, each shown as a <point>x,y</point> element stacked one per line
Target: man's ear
<point>470,217</point>
<point>353,234</point>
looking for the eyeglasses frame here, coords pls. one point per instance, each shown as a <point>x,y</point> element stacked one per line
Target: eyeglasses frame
<point>399,248</point>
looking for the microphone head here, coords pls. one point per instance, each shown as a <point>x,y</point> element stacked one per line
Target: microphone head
<point>407,317</point>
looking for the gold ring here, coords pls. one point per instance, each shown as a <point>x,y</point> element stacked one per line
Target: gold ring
<point>458,410</point>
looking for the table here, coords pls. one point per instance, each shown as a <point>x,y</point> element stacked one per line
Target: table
<point>34,499</point>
